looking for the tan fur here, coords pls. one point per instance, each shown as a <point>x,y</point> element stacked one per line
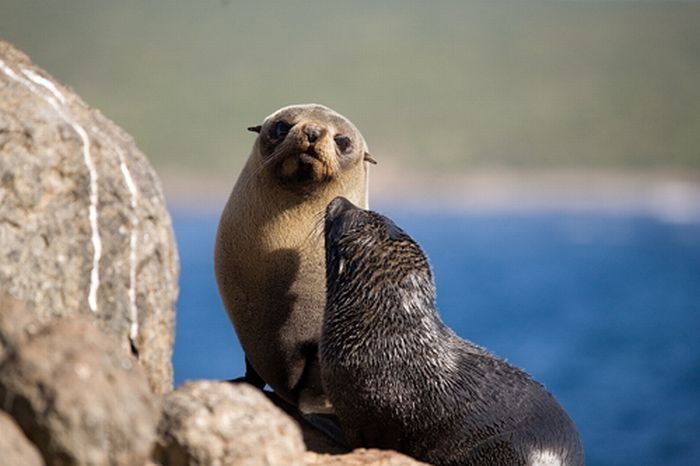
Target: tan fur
<point>269,254</point>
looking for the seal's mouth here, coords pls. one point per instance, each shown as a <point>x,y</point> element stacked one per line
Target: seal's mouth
<point>302,168</point>
<point>309,157</point>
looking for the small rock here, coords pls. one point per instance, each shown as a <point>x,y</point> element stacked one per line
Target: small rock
<point>218,423</point>
<point>77,398</point>
<point>83,223</point>
<point>362,457</point>
<point>15,449</point>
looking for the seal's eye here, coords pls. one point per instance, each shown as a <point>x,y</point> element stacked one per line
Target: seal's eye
<point>343,142</point>
<point>281,129</point>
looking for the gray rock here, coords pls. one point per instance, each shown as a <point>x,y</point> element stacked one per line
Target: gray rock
<point>83,224</point>
<point>217,423</point>
<point>77,398</point>
<point>15,449</point>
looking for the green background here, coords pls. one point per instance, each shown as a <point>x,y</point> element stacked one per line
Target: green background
<point>441,86</point>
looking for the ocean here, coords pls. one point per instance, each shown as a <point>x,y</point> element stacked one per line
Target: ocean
<point>603,309</point>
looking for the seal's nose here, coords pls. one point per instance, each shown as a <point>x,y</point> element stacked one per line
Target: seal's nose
<point>312,133</point>
<point>337,206</point>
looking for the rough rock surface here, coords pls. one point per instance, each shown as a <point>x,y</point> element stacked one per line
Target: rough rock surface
<point>218,423</point>
<point>362,457</point>
<point>83,224</point>
<point>15,449</point>
<point>17,322</point>
<point>77,398</point>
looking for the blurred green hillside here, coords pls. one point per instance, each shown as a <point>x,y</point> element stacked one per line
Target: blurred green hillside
<point>448,85</point>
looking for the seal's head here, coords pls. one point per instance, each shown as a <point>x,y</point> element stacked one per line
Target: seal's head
<point>303,146</point>
<point>372,258</point>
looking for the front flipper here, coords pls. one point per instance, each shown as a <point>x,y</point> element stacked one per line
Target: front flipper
<point>311,397</point>
<point>251,377</point>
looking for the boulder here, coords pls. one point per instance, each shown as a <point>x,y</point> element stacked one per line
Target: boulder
<point>78,398</point>
<point>83,223</point>
<point>14,446</point>
<point>218,423</point>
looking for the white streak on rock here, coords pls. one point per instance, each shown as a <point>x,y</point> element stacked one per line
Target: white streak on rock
<point>92,171</point>
<point>133,243</point>
<point>8,71</point>
<point>37,78</point>
<point>58,101</point>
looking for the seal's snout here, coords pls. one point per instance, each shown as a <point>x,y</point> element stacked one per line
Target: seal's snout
<point>337,207</point>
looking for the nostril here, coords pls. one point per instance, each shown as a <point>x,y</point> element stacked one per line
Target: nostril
<point>312,133</point>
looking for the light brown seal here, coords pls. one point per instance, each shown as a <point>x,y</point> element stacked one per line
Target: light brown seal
<point>269,253</point>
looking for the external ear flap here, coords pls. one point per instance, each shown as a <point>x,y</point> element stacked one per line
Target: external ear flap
<point>369,158</point>
<point>255,129</point>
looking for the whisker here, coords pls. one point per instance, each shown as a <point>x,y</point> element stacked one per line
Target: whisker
<point>264,165</point>
<point>316,232</point>
<point>319,222</point>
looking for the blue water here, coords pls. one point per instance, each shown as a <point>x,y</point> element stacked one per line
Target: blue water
<point>604,310</point>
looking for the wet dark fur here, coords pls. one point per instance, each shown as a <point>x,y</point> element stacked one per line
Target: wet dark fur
<point>400,379</point>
